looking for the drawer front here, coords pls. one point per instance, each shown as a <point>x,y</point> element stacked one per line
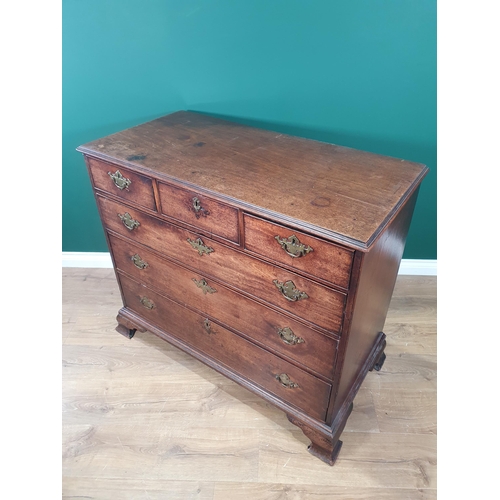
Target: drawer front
<point>200,211</point>
<point>270,328</point>
<point>239,355</point>
<point>298,250</point>
<point>135,188</point>
<point>323,306</point>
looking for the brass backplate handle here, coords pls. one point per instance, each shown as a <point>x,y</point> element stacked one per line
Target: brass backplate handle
<point>138,262</point>
<point>293,247</point>
<point>120,181</point>
<point>285,381</point>
<point>288,337</point>
<point>198,245</point>
<point>204,286</point>
<point>289,291</point>
<point>198,209</point>
<point>147,303</point>
<point>128,221</point>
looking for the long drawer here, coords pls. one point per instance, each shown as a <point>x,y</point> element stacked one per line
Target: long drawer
<point>273,374</point>
<point>271,329</point>
<point>320,305</point>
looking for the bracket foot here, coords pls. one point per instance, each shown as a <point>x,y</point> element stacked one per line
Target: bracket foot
<point>379,360</point>
<point>325,446</point>
<point>126,327</point>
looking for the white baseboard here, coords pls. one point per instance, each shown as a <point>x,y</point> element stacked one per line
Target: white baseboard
<point>415,267</point>
<point>418,267</point>
<point>87,259</point>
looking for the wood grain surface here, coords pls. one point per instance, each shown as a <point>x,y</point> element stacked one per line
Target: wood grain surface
<point>328,262</point>
<point>139,191</point>
<point>230,350</point>
<point>324,307</point>
<point>217,218</point>
<point>251,319</point>
<point>143,420</point>
<point>342,192</point>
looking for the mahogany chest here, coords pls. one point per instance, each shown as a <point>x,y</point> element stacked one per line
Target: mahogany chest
<point>268,257</point>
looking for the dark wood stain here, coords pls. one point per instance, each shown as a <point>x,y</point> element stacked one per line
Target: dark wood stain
<point>324,307</point>
<point>214,203</point>
<point>326,261</point>
<point>275,173</point>
<point>311,393</point>
<point>321,201</point>
<point>245,316</point>
<point>136,157</point>
<point>218,218</point>
<point>140,190</point>
<point>366,318</point>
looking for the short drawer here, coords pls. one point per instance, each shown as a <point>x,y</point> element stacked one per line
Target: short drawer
<point>321,305</point>
<point>275,375</point>
<point>303,252</point>
<point>130,186</point>
<point>200,211</point>
<point>271,329</point>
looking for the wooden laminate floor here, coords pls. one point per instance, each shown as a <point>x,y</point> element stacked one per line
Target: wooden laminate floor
<point>142,420</point>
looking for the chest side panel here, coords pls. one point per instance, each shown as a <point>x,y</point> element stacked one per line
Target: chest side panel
<point>369,304</point>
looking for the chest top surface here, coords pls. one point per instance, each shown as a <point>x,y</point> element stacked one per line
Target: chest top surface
<point>341,193</point>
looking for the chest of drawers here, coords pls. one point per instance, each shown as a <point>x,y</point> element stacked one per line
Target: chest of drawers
<point>268,257</point>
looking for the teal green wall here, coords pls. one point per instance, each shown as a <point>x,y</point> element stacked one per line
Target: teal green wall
<point>359,73</point>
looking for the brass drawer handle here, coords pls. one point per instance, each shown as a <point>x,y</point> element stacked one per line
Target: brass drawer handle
<point>138,262</point>
<point>120,181</point>
<point>203,285</point>
<point>198,245</point>
<point>147,303</point>
<point>288,337</point>
<point>208,326</point>
<point>128,221</point>
<point>293,247</point>
<point>285,381</point>
<point>289,291</point>
<point>198,209</point>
